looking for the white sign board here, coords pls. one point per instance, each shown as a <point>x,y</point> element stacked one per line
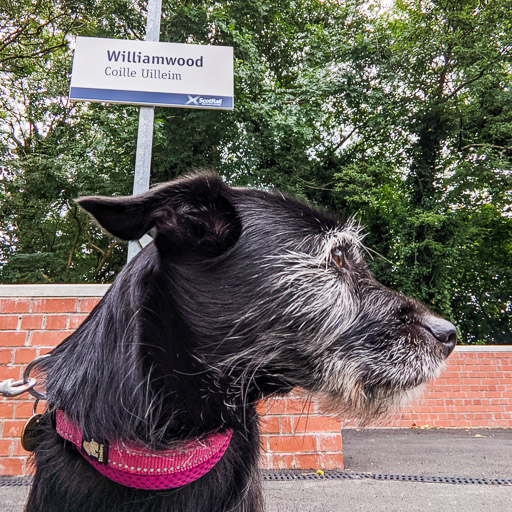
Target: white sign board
<point>151,73</point>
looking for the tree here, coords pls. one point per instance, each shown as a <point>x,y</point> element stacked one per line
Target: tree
<point>52,150</point>
<point>443,70</point>
<point>399,116</point>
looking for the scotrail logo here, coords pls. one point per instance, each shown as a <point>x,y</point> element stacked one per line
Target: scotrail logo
<point>203,102</point>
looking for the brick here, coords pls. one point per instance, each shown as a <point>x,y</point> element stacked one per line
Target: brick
<point>330,443</point>
<point>29,468</point>
<point>31,322</point>
<point>426,409</point>
<point>7,408</point>
<point>11,466</point>
<point>270,425</point>
<point>292,444</point>
<point>6,446</point>
<point>275,406</point>
<point>48,338</point>
<point>299,406</point>
<point>10,372</point>
<point>14,305</point>
<point>318,461</point>
<point>307,461</point>
<point>17,449</point>
<point>55,305</point>
<point>291,406</point>
<point>316,424</point>
<point>13,428</point>
<point>261,408</point>
<point>277,461</point>
<point>12,339</point>
<point>331,461</point>
<point>76,320</point>
<point>87,305</point>
<point>445,423</point>
<point>24,355</point>
<point>265,461</point>
<point>282,461</point>
<point>6,355</point>
<point>24,410</point>
<point>286,424</point>
<point>8,322</point>
<point>56,322</point>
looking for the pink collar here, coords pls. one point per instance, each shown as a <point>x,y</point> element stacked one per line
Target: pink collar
<point>141,468</point>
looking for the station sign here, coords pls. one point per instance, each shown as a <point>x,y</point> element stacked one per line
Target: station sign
<point>152,73</point>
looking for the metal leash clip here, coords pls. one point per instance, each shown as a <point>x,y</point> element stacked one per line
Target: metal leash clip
<point>31,433</point>
<point>12,388</point>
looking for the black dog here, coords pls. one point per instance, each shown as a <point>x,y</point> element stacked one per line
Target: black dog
<point>243,294</point>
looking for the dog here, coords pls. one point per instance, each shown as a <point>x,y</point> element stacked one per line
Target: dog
<point>243,294</point>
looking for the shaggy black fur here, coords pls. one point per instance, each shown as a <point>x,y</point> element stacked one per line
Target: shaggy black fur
<point>232,302</point>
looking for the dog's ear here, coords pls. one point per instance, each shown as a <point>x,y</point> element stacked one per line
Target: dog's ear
<point>127,217</point>
<point>194,213</point>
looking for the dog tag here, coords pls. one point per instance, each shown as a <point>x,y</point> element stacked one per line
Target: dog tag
<point>31,432</point>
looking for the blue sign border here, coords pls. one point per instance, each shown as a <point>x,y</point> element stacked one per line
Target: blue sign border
<point>152,98</point>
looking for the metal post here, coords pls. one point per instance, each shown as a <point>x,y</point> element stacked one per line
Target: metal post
<point>145,131</point>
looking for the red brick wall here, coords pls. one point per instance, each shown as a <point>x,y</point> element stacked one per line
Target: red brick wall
<point>297,435</point>
<point>474,391</point>
<point>31,324</point>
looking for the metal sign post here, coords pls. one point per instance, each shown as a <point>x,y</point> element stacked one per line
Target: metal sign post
<point>146,122</point>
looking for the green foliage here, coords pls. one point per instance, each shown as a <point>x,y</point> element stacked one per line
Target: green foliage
<point>400,116</point>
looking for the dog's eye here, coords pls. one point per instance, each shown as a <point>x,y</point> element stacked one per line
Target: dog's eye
<point>337,257</point>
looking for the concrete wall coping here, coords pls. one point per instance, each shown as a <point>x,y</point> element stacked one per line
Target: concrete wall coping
<point>53,290</point>
<point>483,348</point>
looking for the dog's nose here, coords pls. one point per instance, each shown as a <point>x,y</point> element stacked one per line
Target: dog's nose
<point>443,331</point>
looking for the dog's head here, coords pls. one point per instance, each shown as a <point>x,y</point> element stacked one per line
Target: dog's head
<point>271,293</point>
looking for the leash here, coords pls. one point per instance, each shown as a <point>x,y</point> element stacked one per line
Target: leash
<point>11,388</point>
<point>125,463</point>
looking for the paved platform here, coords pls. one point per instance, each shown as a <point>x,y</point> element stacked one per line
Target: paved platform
<point>482,457</point>
<point>471,453</point>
